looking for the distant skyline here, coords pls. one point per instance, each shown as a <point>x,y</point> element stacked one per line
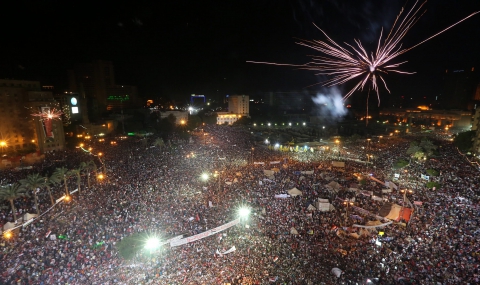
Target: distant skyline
<point>181,47</point>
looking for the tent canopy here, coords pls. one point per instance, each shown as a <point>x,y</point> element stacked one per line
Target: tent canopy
<point>8,226</point>
<point>29,216</point>
<point>294,192</point>
<point>293,231</point>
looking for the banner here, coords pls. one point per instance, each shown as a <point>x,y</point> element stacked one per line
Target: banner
<point>425,177</point>
<point>372,227</point>
<point>323,200</point>
<point>338,164</point>
<point>262,163</point>
<point>387,190</point>
<point>282,196</point>
<point>172,239</point>
<point>419,203</point>
<point>200,236</point>
<point>275,162</point>
<point>232,249</point>
<point>397,175</point>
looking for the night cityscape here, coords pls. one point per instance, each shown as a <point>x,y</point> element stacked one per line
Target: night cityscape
<point>240,142</point>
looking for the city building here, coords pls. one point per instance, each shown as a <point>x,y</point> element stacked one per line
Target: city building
<point>227,118</point>
<point>95,81</point>
<point>458,119</point>
<point>461,89</point>
<point>29,118</point>
<point>239,104</point>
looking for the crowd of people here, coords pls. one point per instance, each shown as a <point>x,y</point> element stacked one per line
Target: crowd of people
<point>159,189</point>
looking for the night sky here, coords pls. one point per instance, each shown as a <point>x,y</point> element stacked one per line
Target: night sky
<point>175,48</point>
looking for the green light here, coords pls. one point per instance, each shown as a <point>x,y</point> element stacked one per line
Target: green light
<point>131,134</point>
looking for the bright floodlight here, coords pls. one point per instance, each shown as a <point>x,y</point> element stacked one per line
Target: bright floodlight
<point>205,176</point>
<point>244,212</point>
<point>152,243</point>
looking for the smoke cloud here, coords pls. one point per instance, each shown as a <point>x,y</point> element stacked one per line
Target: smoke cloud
<point>329,104</point>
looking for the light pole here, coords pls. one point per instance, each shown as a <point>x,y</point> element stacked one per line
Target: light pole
<point>338,147</point>
<point>404,192</point>
<point>252,153</point>
<point>347,204</point>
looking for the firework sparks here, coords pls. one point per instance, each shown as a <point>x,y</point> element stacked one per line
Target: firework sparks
<point>345,63</point>
<point>48,114</point>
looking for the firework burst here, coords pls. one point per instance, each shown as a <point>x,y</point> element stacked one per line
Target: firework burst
<point>344,63</point>
<point>48,113</point>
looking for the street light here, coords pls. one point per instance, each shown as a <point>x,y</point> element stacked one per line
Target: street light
<point>347,204</point>
<point>152,243</point>
<point>244,212</point>
<point>338,147</point>
<point>252,153</point>
<point>204,176</point>
<point>7,234</point>
<point>404,192</point>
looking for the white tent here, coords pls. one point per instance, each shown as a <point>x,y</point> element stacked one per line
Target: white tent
<point>8,226</point>
<point>294,192</point>
<point>336,271</point>
<point>29,216</point>
<point>269,172</point>
<point>293,231</point>
<point>334,186</point>
<point>311,208</point>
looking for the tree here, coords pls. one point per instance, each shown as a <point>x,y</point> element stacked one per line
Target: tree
<point>415,150</point>
<point>33,182</point>
<point>129,246</point>
<point>464,141</point>
<point>427,146</point>
<point>76,172</point>
<point>89,167</point>
<point>159,143</point>
<point>62,173</point>
<point>11,193</point>
<point>47,182</point>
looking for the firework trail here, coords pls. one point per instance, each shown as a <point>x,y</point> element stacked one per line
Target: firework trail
<point>345,63</point>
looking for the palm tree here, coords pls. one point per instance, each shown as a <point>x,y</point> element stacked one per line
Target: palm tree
<point>77,172</point>
<point>62,173</point>
<point>11,193</point>
<point>47,181</point>
<point>89,166</point>
<point>159,142</point>
<point>33,182</point>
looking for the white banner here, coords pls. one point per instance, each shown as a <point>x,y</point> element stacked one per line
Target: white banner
<point>387,190</point>
<point>172,239</point>
<point>259,163</point>
<point>372,227</point>
<point>204,234</point>
<point>323,200</point>
<point>282,196</point>
<point>226,252</point>
<point>425,177</point>
<point>274,162</point>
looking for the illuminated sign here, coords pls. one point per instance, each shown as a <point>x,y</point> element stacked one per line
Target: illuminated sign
<point>74,101</point>
<point>74,110</point>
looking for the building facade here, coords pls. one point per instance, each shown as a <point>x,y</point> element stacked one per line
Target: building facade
<point>25,124</point>
<point>227,118</point>
<point>95,81</point>
<point>239,104</point>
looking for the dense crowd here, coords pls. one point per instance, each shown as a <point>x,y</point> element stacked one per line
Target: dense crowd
<point>158,189</point>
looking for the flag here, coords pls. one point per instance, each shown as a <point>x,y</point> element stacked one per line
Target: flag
<point>273,279</point>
